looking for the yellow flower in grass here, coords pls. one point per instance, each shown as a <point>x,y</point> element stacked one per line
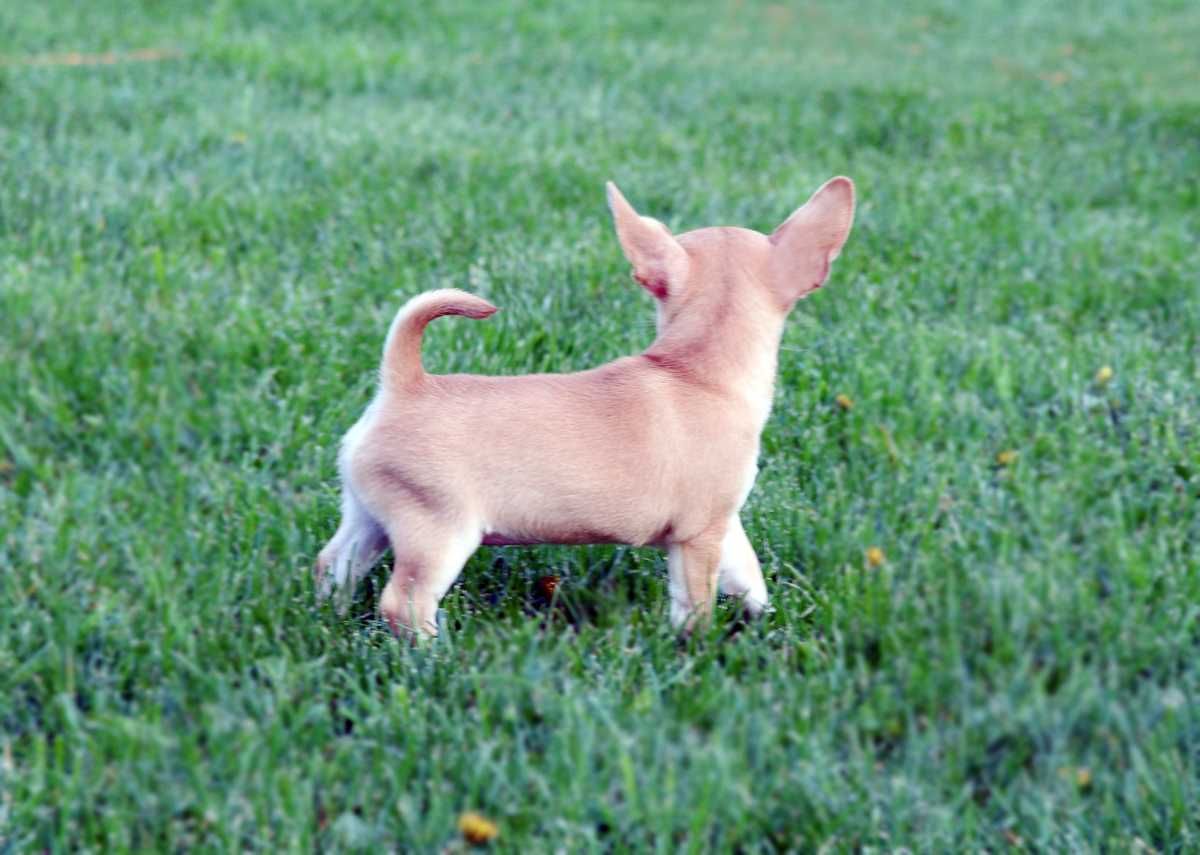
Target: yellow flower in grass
<point>875,557</point>
<point>1080,775</point>
<point>477,829</point>
<point>1007,457</point>
<point>844,402</point>
<point>1104,375</point>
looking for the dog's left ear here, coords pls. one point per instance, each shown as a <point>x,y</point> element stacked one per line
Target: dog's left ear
<point>810,239</point>
<point>660,264</point>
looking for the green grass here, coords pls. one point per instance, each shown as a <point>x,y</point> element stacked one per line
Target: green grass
<point>198,261</point>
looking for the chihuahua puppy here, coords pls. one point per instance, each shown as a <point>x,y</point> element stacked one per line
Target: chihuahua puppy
<point>658,449</point>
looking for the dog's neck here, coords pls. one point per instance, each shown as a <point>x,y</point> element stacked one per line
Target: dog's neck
<point>728,345</point>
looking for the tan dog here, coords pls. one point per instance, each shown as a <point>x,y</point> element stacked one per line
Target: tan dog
<point>658,449</point>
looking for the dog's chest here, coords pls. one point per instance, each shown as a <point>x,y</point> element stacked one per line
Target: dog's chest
<point>758,404</point>
<point>748,475</point>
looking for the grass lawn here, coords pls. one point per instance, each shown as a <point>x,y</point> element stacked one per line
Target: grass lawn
<point>201,248</point>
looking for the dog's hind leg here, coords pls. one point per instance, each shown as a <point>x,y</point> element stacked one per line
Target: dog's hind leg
<point>429,555</point>
<point>741,574</point>
<point>358,542</point>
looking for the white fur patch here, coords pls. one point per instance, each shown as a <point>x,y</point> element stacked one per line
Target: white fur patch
<point>741,573</point>
<point>352,550</point>
<point>353,440</point>
<point>748,478</point>
<point>360,538</point>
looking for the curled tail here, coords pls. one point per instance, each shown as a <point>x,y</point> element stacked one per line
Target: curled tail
<point>402,350</point>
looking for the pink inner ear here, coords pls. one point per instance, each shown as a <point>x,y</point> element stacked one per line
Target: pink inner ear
<point>655,284</point>
<point>824,274</point>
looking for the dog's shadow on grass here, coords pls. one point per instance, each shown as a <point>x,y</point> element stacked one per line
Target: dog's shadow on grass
<point>502,584</point>
<point>563,589</point>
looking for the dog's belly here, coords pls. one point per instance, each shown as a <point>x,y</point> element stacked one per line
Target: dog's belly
<point>498,539</point>
<point>573,535</point>
<point>575,538</point>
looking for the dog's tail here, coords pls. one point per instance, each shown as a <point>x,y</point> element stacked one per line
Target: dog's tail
<point>402,351</point>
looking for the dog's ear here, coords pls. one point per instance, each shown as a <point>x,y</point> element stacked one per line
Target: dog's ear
<point>810,239</point>
<point>659,262</point>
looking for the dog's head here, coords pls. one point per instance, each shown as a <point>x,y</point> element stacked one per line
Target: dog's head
<point>698,268</point>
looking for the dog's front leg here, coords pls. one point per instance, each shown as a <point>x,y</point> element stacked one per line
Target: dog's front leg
<point>741,574</point>
<point>693,568</point>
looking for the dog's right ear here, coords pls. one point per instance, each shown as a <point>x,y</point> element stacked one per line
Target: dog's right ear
<point>659,262</point>
<point>810,239</point>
